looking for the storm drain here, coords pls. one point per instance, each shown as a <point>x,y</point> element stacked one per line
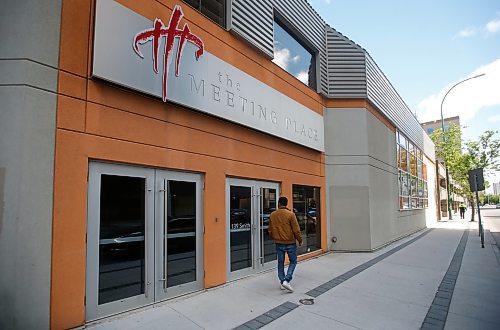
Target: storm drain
<point>307,301</point>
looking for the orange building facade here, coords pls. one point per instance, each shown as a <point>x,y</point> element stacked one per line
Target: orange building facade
<point>103,125</point>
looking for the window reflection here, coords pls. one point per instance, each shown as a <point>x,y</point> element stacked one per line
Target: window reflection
<point>293,57</point>
<point>121,238</point>
<point>306,208</point>
<point>268,205</point>
<point>213,9</point>
<point>181,233</point>
<point>240,227</point>
<point>412,174</point>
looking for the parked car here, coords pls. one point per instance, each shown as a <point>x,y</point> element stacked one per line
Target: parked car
<point>498,206</point>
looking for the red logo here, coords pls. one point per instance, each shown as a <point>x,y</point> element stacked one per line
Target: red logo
<point>169,32</point>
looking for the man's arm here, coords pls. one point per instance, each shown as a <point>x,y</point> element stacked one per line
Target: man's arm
<point>296,229</point>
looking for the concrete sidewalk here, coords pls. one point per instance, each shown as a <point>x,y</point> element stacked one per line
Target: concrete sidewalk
<point>393,288</point>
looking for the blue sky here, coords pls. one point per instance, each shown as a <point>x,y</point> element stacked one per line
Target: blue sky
<point>424,47</point>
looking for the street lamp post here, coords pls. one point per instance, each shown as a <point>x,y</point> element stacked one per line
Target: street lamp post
<point>444,140</point>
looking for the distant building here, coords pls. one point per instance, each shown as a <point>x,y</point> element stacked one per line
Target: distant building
<point>496,188</point>
<point>430,126</point>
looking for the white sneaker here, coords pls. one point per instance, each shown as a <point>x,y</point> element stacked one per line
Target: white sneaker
<point>287,286</point>
<point>282,287</point>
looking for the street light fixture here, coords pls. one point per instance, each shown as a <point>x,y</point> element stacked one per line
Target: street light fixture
<point>444,140</point>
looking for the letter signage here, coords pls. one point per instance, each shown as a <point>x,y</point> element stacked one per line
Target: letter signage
<point>124,41</point>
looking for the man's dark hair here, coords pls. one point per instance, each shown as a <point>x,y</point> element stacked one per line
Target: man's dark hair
<point>283,201</point>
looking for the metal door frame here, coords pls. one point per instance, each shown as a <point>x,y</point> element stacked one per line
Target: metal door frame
<point>154,226</point>
<point>257,242</point>
<point>162,293</point>
<point>92,309</point>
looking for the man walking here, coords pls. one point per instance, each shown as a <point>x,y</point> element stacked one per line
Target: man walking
<point>462,208</point>
<point>284,230</point>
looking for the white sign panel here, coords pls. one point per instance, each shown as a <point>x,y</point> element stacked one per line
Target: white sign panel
<point>205,83</point>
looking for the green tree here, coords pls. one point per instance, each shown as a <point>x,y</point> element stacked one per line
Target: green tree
<point>482,153</point>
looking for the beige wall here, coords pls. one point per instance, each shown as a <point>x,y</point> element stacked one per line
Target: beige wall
<point>362,181</point>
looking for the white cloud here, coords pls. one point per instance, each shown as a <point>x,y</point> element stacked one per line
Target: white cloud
<point>282,57</point>
<point>493,26</point>
<point>465,33</point>
<point>466,99</point>
<point>303,76</point>
<point>489,28</point>
<point>494,119</point>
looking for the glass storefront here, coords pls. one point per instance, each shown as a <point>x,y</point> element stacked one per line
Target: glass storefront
<point>307,210</point>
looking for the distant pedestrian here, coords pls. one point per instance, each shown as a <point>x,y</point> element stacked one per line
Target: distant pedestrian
<point>284,230</point>
<point>462,208</point>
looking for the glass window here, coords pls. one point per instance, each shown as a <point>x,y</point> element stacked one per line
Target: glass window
<point>404,160</point>
<point>121,238</point>
<point>420,188</point>
<point>419,169</point>
<point>412,174</point>
<point>398,155</point>
<point>240,227</point>
<point>213,9</point>
<point>405,189</point>
<point>292,56</point>
<point>413,164</point>
<point>181,233</point>
<point>414,203</point>
<point>402,141</point>
<point>413,186</point>
<point>306,208</point>
<point>406,202</point>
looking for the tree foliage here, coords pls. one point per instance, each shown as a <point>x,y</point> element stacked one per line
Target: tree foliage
<point>481,153</point>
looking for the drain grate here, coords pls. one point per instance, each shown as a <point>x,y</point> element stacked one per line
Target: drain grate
<point>307,301</point>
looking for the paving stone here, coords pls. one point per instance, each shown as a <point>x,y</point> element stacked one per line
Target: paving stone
<point>314,293</point>
<point>443,294</point>
<point>429,326</point>
<point>289,305</point>
<point>435,322</point>
<point>253,324</point>
<point>274,313</point>
<point>264,319</point>
<point>322,289</point>
<point>242,327</point>
<point>441,301</point>
<point>441,315</point>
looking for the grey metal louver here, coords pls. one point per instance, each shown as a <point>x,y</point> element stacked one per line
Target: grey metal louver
<point>253,20</point>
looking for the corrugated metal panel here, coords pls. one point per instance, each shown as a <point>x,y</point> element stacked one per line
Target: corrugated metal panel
<point>383,95</point>
<point>346,69</point>
<point>253,20</point>
<point>306,21</point>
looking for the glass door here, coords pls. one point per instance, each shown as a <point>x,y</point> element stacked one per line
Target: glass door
<point>268,203</point>
<point>120,239</point>
<point>179,234</point>
<point>249,206</point>
<point>144,237</point>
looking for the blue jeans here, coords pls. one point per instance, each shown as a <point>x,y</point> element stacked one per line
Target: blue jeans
<point>291,250</point>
